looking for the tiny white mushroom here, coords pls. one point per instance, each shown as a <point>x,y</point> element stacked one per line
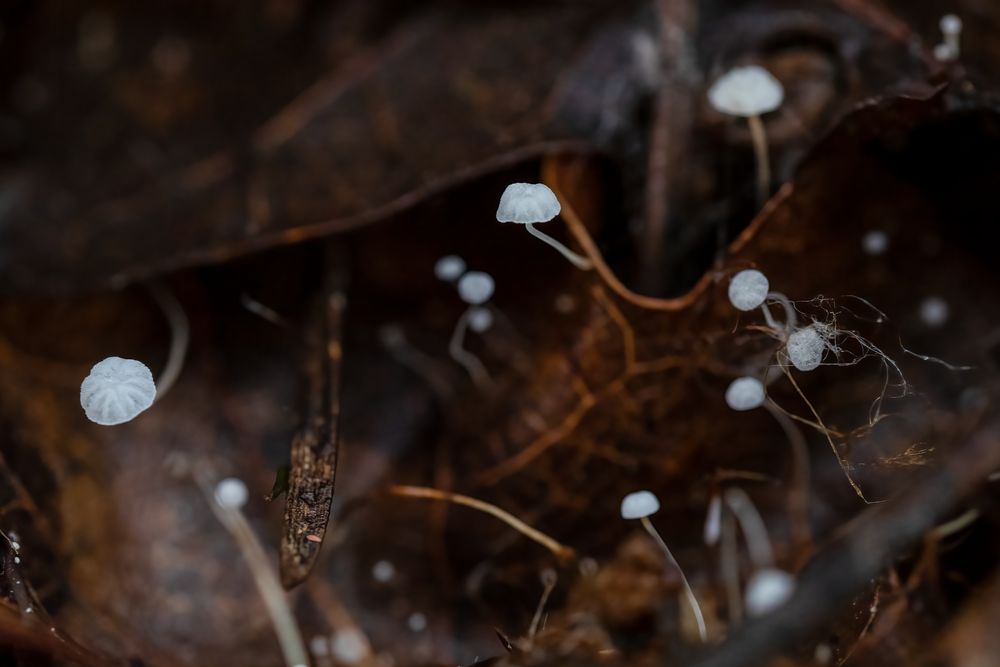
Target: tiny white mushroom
<point>767,590</point>
<point>749,92</point>
<point>875,242</point>
<point>529,204</point>
<point>417,622</point>
<point>951,28</point>
<point>476,287</point>
<point>745,393</point>
<point>641,505</point>
<point>449,268</point>
<point>934,311</point>
<point>748,289</point>
<point>349,646</point>
<point>480,319</point>
<point>805,348</point>
<point>383,571</point>
<point>116,391</point>
<point>231,493</point>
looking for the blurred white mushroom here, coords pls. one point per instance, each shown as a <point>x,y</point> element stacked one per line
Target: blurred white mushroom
<point>767,590</point>
<point>116,391</point>
<point>749,92</point>
<point>231,493</point>
<point>449,268</point>
<point>934,311</point>
<point>529,204</point>
<point>951,28</point>
<point>474,288</point>
<point>875,242</point>
<point>480,319</point>
<point>745,393</point>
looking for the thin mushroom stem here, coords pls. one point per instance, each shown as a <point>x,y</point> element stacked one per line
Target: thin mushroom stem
<point>271,591</point>
<point>180,336</point>
<point>759,138</point>
<point>752,525</point>
<point>561,551</point>
<point>480,376</point>
<point>688,593</point>
<point>579,261</point>
<point>800,463</point>
<point>790,318</point>
<point>730,569</point>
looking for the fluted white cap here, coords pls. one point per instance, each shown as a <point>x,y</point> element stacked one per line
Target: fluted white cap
<point>526,203</point>
<point>746,91</point>
<point>116,391</point>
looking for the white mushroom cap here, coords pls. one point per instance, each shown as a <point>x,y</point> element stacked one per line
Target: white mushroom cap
<point>746,91</point>
<point>805,348</point>
<point>745,393</point>
<point>349,646</point>
<point>934,311</point>
<point>640,504</point>
<point>231,493</point>
<point>480,319</point>
<point>449,268</point>
<point>526,203</point>
<point>748,289</point>
<point>476,287</point>
<point>116,391</point>
<point>875,242</point>
<point>951,24</point>
<point>767,590</point>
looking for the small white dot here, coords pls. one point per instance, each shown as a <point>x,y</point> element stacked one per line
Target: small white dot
<point>417,622</point>
<point>383,571</point>
<point>231,493</point>
<point>480,319</point>
<point>449,268</point>
<point>934,311</point>
<point>349,646</point>
<point>17,560</point>
<point>15,545</point>
<point>875,242</point>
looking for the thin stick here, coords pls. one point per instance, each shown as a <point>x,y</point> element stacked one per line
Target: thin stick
<point>730,569</point>
<point>271,591</point>
<point>561,551</point>
<point>759,138</point>
<point>549,580</point>
<point>688,593</point>
<point>180,336</point>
